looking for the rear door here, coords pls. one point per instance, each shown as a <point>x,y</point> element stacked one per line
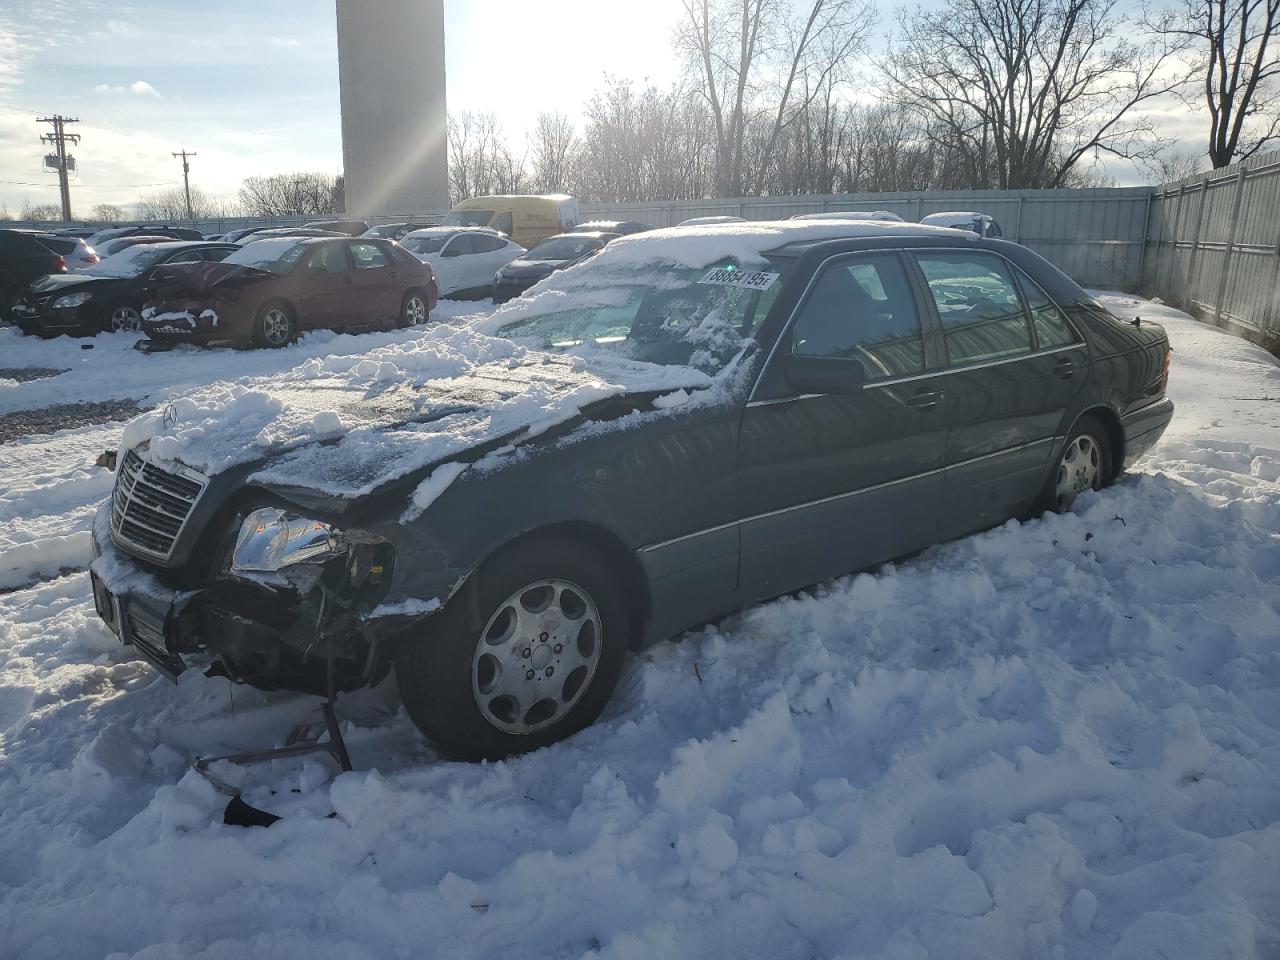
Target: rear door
<point>833,482</point>
<point>451,265</point>
<point>1009,392</point>
<point>377,283</point>
<point>490,254</point>
<point>326,292</point>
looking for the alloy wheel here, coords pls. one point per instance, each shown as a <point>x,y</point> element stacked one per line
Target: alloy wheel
<point>275,327</point>
<point>1080,469</point>
<point>125,320</point>
<point>536,656</point>
<point>415,310</point>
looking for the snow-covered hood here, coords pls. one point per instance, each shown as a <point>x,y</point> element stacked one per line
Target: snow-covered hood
<point>345,426</point>
<point>533,268</point>
<point>64,282</point>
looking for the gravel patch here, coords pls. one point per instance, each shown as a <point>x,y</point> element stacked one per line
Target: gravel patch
<point>25,374</point>
<point>62,416</point>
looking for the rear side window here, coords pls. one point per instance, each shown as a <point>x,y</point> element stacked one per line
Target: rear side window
<point>863,310</point>
<point>1051,326</point>
<point>368,256</point>
<point>982,317</point>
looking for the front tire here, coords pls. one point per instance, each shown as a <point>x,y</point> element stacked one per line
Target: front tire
<point>274,326</point>
<point>528,653</point>
<point>1084,464</point>
<point>122,318</point>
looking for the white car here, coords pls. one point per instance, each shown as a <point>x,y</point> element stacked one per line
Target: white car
<point>464,260</point>
<point>78,254</point>
<point>984,225</point>
<point>851,215</point>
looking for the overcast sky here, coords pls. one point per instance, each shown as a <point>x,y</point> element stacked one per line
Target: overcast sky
<point>252,85</point>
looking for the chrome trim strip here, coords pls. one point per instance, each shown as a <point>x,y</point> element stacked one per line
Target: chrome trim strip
<point>1129,415</point>
<point>942,371</point>
<point>849,493</point>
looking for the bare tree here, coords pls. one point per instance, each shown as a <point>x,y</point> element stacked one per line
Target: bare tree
<point>1026,89</point>
<point>552,144</point>
<point>40,212</point>
<point>748,51</point>
<point>172,205</point>
<point>290,195</point>
<point>481,163</point>
<point>106,213</point>
<point>1237,46</point>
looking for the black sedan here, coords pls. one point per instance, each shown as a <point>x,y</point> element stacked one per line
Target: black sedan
<point>552,254</point>
<point>737,418</point>
<point>108,296</point>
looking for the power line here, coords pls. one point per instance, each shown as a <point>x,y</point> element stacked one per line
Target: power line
<point>59,138</point>
<point>186,179</point>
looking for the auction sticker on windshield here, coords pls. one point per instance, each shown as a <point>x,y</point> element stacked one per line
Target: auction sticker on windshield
<point>751,279</point>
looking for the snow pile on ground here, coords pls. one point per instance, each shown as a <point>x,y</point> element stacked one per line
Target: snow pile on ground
<point>1058,739</point>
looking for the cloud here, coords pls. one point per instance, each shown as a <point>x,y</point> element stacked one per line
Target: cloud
<point>284,42</point>
<point>118,28</point>
<point>138,86</point>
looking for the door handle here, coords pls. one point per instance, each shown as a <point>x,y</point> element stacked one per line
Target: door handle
<point>925,400</point>
<point>1064,368</point>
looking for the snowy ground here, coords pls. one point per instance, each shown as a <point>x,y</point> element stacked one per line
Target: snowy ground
<point>1058,739</point>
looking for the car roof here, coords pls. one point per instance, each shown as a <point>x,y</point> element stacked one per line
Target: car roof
<point>878,215</point>
<point>578,235</point>
<point>956,215</point>
<point>184,244</point>
<point>438,229</point>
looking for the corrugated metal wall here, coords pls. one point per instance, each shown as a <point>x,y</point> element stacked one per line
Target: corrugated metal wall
<point>1213,246</point>
<point>1094,235</point>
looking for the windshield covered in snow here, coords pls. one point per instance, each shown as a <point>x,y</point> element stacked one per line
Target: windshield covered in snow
<point>275,255</point>
<point>132,261</point>
<point>698,317</point>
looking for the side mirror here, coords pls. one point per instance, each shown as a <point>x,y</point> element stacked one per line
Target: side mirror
<point>823,374</point>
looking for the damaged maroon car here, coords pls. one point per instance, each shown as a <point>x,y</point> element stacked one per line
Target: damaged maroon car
<point>271,290</point>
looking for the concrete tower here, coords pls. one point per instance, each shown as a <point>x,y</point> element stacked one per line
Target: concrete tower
<point>391,74</point>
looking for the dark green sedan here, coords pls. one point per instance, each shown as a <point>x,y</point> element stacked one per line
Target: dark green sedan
<point>695,420</point>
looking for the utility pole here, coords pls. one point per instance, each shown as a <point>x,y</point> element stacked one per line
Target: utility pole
<point>186,180</point>
<point>60,138</point>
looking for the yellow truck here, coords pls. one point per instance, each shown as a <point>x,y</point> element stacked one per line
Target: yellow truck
<point>525,219</point>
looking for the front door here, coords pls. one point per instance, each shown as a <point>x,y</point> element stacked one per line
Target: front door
<point>1010,382</point>
<point>831,482</point>
<point>325,291</point>
<point>451,265</point>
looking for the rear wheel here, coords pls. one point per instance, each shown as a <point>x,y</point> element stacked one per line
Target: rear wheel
<point>1084,464</point>
<point>414,310</point>
<point>123,318</point>
<point>526,655</point>
<point>274,325</point>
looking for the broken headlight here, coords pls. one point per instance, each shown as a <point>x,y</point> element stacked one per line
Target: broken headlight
<point>271,539</point>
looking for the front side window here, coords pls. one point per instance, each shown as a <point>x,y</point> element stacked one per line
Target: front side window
<point>504,223</point>
<point>331,258</point>
<point>424,245</point>
<point>982,317</point>
<point>863,310</point>
<point>459,246</point>
<point>368,256</point>
<point>483,243</point>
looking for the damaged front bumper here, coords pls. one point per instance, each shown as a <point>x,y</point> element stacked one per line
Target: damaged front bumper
<point>273,632</point>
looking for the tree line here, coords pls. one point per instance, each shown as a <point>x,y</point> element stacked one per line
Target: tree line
<point>779,97</point>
